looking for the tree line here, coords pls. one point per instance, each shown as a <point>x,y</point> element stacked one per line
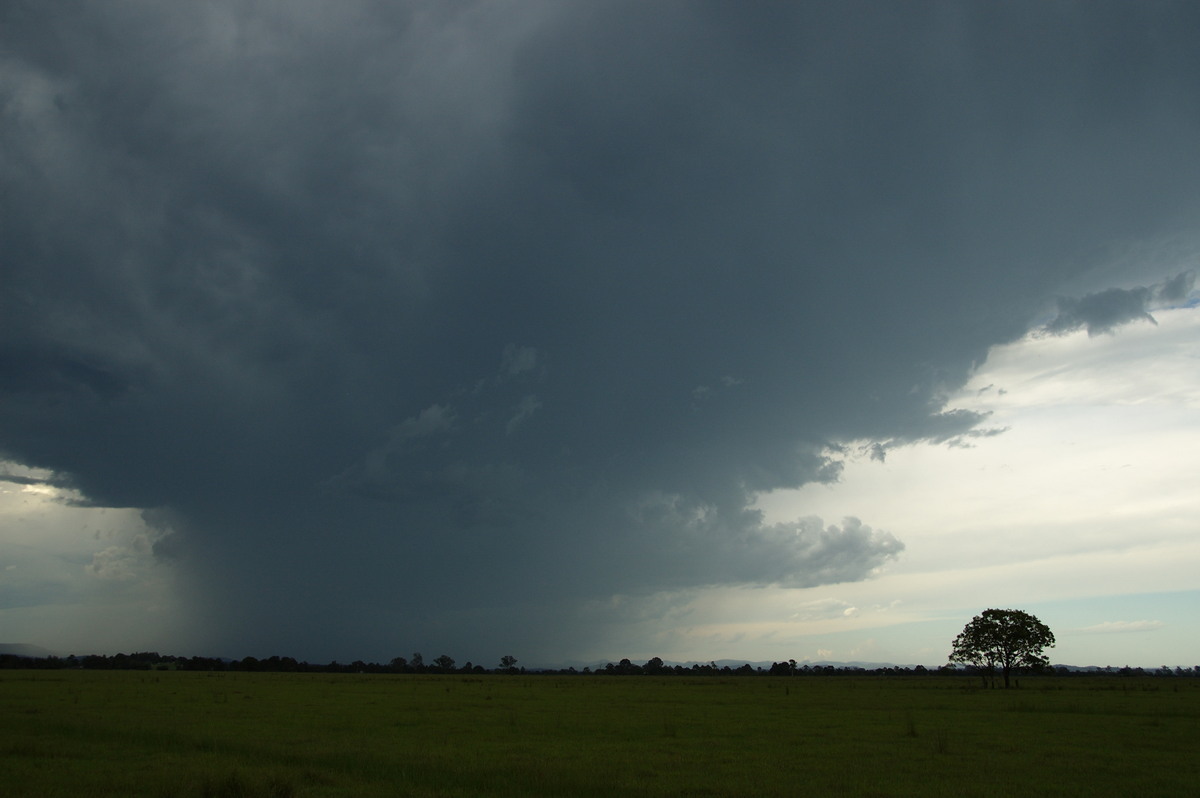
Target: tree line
<point>444,664</point>
<point>1006,642</point>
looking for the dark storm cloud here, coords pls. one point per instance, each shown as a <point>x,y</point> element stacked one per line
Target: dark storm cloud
<point>396,311</point>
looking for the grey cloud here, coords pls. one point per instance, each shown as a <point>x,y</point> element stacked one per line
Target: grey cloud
<point>112,563</point>
<point>30,477</point>
<point>518,359</point>
<point>398,309</point>
<point>833,554</point>
<point>708,545</point>
<point>528,405</point>
<point>1104,311</point>
<point>1101,312</point>
<point>825,609</point>
<point>432,419</point>
<point>17,590</point>
<point>957,427</point>
<point>403,444</point>
<point>48,372</point>
<point>1177,289</point>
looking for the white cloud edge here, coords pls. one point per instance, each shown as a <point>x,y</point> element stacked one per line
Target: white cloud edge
<point>1119,627</point>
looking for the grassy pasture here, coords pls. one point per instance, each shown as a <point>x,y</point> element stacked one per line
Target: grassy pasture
<point>212,735</point>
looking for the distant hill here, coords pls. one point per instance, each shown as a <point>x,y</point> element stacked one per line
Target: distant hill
<point>733,664</point>
<point>25,650</point>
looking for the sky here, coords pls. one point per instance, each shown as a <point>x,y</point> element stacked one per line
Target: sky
<point>582,331</point>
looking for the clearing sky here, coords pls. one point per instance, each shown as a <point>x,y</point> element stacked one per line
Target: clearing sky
<point>583,331</point>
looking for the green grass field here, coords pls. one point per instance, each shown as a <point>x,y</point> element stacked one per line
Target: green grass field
<point>97,734</point>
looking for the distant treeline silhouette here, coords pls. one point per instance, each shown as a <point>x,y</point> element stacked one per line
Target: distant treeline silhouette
<point>152,660</point>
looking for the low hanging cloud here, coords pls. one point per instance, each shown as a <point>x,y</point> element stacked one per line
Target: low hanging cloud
<point>1104,311</point>
<point>409,313</point>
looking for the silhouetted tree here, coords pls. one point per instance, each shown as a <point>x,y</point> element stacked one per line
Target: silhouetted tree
<point>508,663</point>
<point>444,663</point>
<point>1005,639</point>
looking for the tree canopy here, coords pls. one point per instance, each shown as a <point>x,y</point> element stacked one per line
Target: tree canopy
<point>1004,639</point>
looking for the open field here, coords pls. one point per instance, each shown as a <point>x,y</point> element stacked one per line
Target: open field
<point>98,734</point>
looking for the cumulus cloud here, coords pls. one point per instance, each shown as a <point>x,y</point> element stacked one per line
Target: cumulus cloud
<point>405,310</point>
<point>112,563</point>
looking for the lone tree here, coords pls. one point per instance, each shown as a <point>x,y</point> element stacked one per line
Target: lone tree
<point>1006,639</point>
